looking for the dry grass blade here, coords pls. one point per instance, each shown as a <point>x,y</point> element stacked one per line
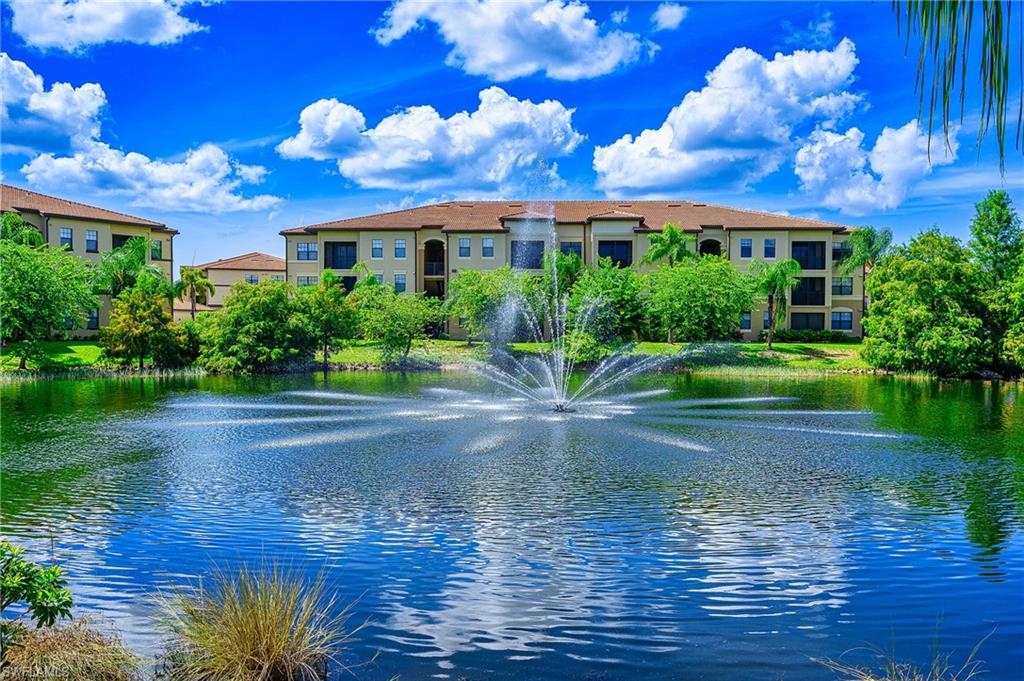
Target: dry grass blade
<point>259,625</point>
<point>74,651</point>
<point>941,668</point>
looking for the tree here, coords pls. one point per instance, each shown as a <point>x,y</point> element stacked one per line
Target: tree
<point>332,320</point>
<point>1013,342</point>
<point>42,590</point>
<point>195,285</point>
<point>927,308</point>
<point>262,327</point>
<point>20,232</point>
<point>868,246</point>
<point>700,299</point>
<point>139,323</point>
<point>394,319</point>
<point>613,299</point>
<point>561,270</point>
<point>774,281</point>
<point>945,30</point>
<point>997,243</point>
<point>476,297</point>
<point>123,267</point>
<point>671,244</point>
<point>43,290</point>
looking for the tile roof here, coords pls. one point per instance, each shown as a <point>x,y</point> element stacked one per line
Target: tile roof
<point>18,199</point>
<point>181,305</point>
<point>247,261</point>
<point>482,216</point>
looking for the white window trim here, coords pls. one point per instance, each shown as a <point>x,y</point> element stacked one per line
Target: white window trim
<point>458,248</point>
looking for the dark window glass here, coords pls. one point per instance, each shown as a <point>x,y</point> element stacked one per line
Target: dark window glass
<point>810,254</point>
<point>841,250</point>
<point>156,249</point>
<point>810,291</point>
<point>745,321</point>
<point>340,255</point>
<point>65,237</point>
<point>92,241</point>
<point>527,255</point>
<point>399,248</point>
<point>118,240</point>
<point>842,321</point>
<point>252,279</point>
<point>93,321</point>
<point>842,286</point>
<point>769,248</point>
<point>746,248</point>
<point>306,281</point>
<point>568,247</point>
<point>807,320</point>
<point>621,252</point>
<point>400,283</point>
<point>348,283</point>
<point>377,248</point>
<point>488,247</point>
<point>307,251</point>
<point>464,248</point>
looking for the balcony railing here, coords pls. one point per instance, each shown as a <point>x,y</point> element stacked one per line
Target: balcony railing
<point>433,269</point>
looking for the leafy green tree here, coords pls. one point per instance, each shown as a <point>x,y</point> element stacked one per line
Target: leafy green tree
<point>122,268</point>
<point>195,286</point>
<point>613,297</point>
<point>394,319</point>
<point>181,345</point>
<point>262,327</point>
<point>926,308</point>
<point>332,320</point>
<point>671,244</point>
<point>561,270</point>
<point>997,243</point>
<point>1013,343</point>
<point>868,245</point>
<point>700,299</point>
<point>774,281</point>
<point>139,323</point>
<point>42,591</point>
<point>42,290</point>
<point>20,232</point>
<point>476,297</point>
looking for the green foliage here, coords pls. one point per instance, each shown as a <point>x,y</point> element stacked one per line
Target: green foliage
<point>394,319</point>
<point>180,347</point>
<point>16,230</point>
<point>561,270</point>
<point>195,287</point>
<point>584,347</point>
<point>1013,342</point>
<point>927,308</point>
<point>41,590</point>
<point>262,327</point>
<point>139,323</point>
<point>124,267</point>
<point>332,321</point>
<point>699,299</point>
<point>74,651</point>
<point>810,336</point>
<point>614,297</point>
<point>672,244</point>
<point>868,245</point>
<point>774,281</point>
<point>476,297</point>
<point>41,290</point>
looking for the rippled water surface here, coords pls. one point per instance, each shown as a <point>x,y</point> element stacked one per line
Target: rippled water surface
<point>686,528</point>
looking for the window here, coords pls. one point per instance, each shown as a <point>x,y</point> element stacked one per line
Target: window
<point>306,281</point>
<point>92,241</point>
<point>252,279</point>
<point>841,250</point>
<point>621,252</point>
<point>764,319</point>
<point>307,251</point>
<point>568,247</point>
<point>400,282</point>
<point>842,321</point>
<point>807,320</point>
<point>488,247</point>
<point>399,248</point>
<point>118,240</point>
<point>276,277</point>
<point>377,248</point>
<point>745,321</point>
<point>156,249</point>
<point>92,321</point>
<point>810,291</point>
<point>348,283</point>
<point>527,255</point>
<point>769,248</point>
<point>842,286</point>
<point>810,254</point>
<point>464,249</point>
<point>379,276</point>
<point>340,255</point>
<point>746,248</point>
<point>65,237</point>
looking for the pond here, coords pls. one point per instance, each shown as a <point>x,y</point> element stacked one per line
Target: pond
<point>699,528</point>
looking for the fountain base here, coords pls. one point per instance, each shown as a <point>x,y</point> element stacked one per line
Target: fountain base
<point>563,408</point>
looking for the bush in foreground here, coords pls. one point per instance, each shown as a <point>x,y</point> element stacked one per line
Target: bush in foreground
<point>267,625</point>
<point>73,651</point>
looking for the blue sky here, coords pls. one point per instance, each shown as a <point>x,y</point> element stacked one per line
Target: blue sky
<point>233,120</point>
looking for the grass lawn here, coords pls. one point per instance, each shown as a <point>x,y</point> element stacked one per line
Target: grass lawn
<point>57,355</point>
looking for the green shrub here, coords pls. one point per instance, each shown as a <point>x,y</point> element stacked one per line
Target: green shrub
<point>614,299</point>
<point>698,299</point>
<point>810,336</point>
<point>139,324</point>
<point>74,651</point>
<point>41,590</point>
<point>181,345</point>
<point>583,347</point>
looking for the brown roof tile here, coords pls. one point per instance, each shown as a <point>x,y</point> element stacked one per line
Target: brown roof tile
<point>485,216</point>
<point>248,261</point>
<point>18,199</point>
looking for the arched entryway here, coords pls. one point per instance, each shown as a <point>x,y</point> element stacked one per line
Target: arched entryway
<point>433,268</point>
<point>710,247</point>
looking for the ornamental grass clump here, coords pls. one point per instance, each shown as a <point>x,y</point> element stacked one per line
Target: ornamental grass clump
<point>259,625</point>
<point>72,651</point>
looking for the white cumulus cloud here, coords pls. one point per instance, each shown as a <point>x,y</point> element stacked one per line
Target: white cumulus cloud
<point>840,172</point>
<point>738,128</point>
<point>507,40</point>
<point>74,24</point>
<point>505,144</point>
<point>668,16</point>
<point>207,180</point>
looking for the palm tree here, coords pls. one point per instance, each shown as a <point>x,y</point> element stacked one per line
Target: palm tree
<point>775,281</point>
<point>869,245</point>
<point>196,285</point>
<point>123,267</point>
<point>945,30</point>
<point>671,243</point>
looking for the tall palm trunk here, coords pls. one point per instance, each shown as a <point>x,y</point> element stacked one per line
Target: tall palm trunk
<point>192,296</point>
<point>771,319</point>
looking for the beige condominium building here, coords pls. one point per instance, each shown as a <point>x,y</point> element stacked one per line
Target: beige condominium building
<point>89,232</point>
<point>224,273</point>
<point>421,249</point>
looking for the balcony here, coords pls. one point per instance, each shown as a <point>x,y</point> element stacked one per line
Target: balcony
<point>433,269</point>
